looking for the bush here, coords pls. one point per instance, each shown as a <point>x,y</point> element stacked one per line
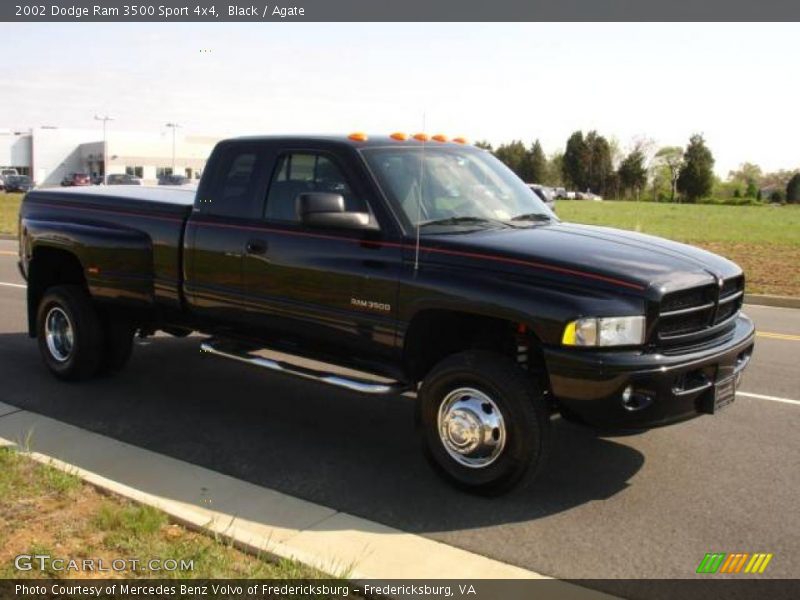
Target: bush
<point>793,189</point>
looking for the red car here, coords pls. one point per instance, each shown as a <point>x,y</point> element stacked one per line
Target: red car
<point>76,179</point>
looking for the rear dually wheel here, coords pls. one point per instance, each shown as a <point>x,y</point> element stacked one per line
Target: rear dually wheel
<point>69,333</point>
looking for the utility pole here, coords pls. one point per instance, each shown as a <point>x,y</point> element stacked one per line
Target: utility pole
<point>174,127</point>
<point>105,119</point>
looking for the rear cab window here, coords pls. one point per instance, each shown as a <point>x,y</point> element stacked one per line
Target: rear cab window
<point>240,180</point>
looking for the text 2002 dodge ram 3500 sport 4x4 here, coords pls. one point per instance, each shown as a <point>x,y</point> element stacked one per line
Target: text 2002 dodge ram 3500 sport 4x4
<point>424,264</point>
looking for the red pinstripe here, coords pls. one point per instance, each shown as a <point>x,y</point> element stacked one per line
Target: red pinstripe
<point>451,252</point>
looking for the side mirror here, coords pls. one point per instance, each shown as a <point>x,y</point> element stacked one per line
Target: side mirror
<point>318,209</point>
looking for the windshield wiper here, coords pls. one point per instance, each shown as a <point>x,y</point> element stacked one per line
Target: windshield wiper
<point>533,217</point>
<point>463,221</point>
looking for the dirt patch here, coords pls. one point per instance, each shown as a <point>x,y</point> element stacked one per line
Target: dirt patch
<point>769,269</point>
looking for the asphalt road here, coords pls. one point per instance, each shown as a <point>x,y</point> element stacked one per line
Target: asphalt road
<point>648,505</point>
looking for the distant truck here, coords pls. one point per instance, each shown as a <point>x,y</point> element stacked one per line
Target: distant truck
<point>425,266</point>
<point>18,183</point>
<point>6,172</point>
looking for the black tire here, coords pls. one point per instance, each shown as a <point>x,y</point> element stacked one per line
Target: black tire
<point>520,403</point>
<point>118,344</point>
<point>83,358</point>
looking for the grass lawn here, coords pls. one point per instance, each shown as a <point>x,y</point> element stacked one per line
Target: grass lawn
<point>764,240</point>
<point>46,511</point>
<point>9,211</point>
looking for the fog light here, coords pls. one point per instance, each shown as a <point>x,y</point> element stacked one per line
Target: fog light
<point>627,394</point>
<point>632,401</point>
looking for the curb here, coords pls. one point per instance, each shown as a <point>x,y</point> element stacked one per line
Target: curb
<point>775,301</point>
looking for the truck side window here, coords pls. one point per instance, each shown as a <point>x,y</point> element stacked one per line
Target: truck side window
<point>237,193</point>
<point>304,172</point>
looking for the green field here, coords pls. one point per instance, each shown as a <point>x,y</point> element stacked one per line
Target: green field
<point>9,209</point>
<point>764,240</point>
<point>770,224</point>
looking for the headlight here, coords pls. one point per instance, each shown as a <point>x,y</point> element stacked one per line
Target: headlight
<point>607,331</point>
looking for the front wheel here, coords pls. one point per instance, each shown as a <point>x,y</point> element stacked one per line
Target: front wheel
<point>483,421</point>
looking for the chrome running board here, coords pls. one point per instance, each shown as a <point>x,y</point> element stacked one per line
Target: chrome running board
<point>249,357</point>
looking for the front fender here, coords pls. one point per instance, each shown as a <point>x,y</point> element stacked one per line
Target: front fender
<point>541,305</point>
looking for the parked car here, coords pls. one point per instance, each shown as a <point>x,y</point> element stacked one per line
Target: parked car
<point>18,183</point>
<point>173,180</point>
<point>7,172</point>
<point>427,268</point>
<point>545,194</point>
<point>587,196</point>
<point>76,179</point>
<point>123,179</point>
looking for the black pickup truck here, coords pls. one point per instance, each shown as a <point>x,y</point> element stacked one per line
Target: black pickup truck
<point>399,264</point>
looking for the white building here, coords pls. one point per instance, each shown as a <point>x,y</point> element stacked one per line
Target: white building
<point>48,154</point>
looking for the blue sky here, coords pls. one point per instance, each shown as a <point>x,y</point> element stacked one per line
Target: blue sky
<point>735,83</point>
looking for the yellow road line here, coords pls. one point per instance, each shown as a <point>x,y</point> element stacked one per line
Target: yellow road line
<point>778,336</point>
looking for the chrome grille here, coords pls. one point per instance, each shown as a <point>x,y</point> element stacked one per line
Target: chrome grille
<point>691,313</point>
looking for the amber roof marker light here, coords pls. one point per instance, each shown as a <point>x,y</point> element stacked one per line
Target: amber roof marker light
<point>439,138</point>
<point>399,136</point>
<point>421,137</point>
<point>460,140</point>
<point>358,137</point>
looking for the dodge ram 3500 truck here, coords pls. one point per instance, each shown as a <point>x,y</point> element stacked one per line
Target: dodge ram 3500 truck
<point>418,263</point>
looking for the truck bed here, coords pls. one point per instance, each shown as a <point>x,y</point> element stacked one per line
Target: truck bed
<point>128,238</point>
<point>166,197</point>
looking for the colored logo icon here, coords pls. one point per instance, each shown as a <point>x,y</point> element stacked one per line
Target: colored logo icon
<point>737,562</point>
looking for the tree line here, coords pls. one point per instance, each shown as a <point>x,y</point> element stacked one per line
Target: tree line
<point>593,163</point>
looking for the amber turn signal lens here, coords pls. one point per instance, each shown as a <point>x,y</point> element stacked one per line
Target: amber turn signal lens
<point>358,137</point>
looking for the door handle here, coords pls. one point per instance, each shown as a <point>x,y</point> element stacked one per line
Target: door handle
<point>256,247</point>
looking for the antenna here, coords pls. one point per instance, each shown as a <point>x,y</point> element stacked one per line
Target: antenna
<point>419,193</point>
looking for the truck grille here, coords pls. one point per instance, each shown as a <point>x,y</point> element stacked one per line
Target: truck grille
<point>691,313</point>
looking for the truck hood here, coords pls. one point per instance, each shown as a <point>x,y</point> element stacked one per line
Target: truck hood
<point>595,254</point>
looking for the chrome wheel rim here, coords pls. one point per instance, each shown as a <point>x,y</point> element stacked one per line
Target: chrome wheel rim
<point>58,333</point>
<point>471,428</point>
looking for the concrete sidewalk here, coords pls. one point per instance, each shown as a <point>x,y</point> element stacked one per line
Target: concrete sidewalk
<point>256,518</point>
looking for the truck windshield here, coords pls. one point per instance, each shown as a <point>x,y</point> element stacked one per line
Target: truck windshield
<point>454,188</point>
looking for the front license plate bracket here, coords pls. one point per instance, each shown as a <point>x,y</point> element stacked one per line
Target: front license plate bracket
<point>724,393</point>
